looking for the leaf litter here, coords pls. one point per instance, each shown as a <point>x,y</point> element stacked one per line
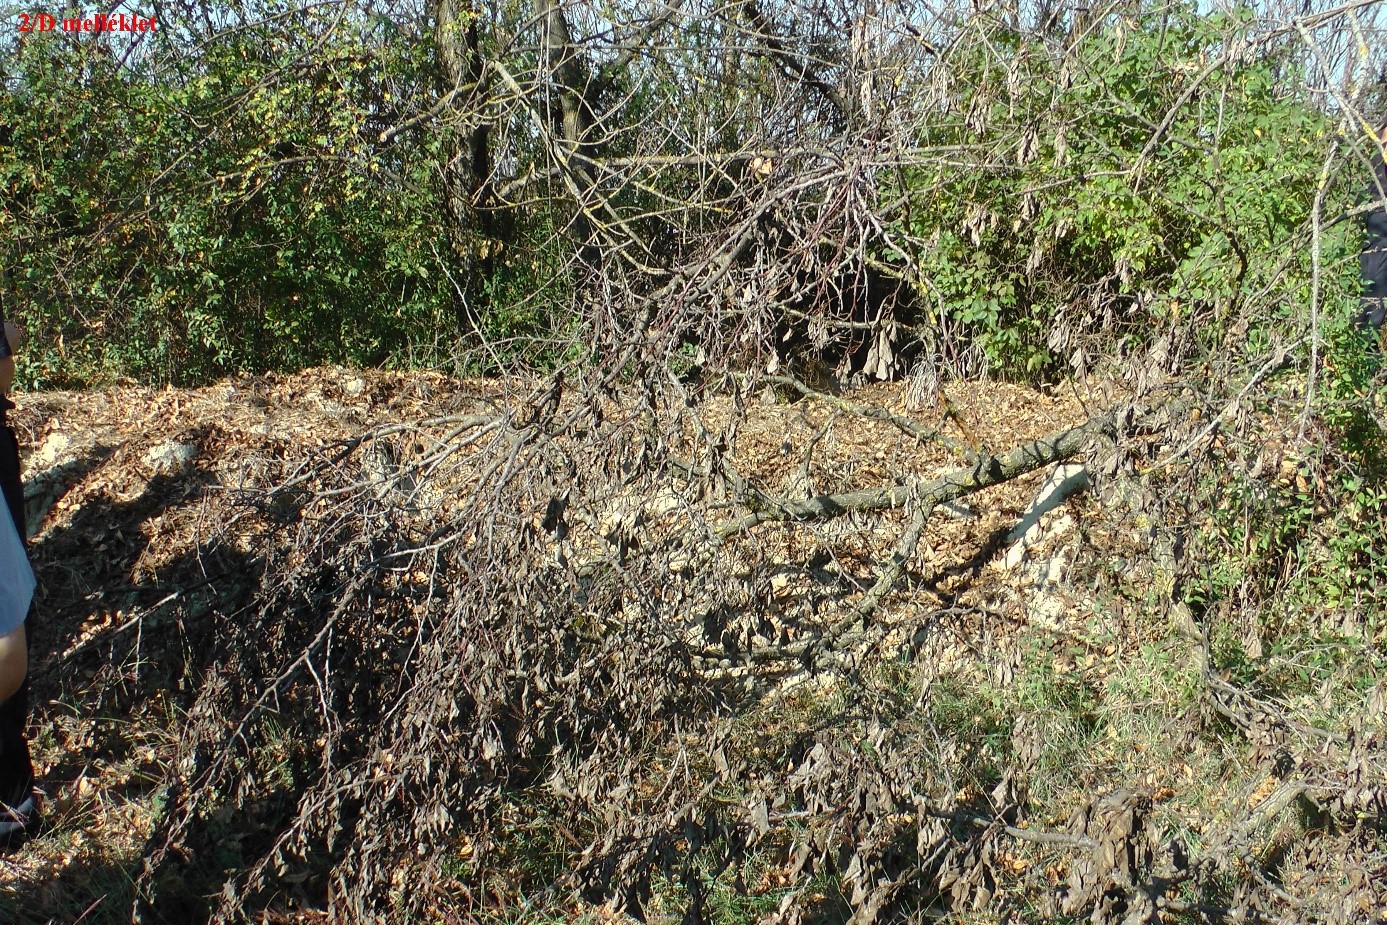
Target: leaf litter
<point>177,514</point>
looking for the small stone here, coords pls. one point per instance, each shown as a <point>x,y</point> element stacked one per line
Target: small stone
<point>170,457</point>
<point>55,449</point>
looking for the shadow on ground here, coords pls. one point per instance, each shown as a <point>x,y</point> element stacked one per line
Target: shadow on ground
<point>115,661</point>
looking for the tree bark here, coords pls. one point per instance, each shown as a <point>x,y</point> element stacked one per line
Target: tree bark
<point>984,473</point>
<point>466,171</point>
<point>572,120</point>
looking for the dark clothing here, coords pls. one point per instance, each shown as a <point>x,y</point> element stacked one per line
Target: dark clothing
<point>16,768</point>
<point>10,482</point>
<point>1374,257</point>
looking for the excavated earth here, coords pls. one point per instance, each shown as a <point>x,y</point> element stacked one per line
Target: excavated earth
<point>126,485</point>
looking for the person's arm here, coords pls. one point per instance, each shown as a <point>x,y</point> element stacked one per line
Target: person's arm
<point>14,657</point>
<point>14,652</point>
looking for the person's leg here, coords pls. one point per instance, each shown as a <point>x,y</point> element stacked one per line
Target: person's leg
<point>17,807</point>
<point>1373,267</point>
<point>1376,313</point>
<point>16,769</point>
<point>1372,313</point>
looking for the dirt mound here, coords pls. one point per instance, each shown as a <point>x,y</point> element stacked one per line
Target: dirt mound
<point>303,640</point>
<point>125,485</point>
<point>127,488</point>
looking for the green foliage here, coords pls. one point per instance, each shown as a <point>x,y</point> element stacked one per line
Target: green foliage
<point>237,206</point>
<point>233,216</point>
<point>1297,539</point>
<point>1125,190</point>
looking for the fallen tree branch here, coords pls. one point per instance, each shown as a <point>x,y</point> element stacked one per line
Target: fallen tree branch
<point>986,472</point>
<point>910,541</point>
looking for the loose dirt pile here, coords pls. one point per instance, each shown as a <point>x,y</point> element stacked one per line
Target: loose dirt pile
<point>127,485</point>
<point>1057,687</point>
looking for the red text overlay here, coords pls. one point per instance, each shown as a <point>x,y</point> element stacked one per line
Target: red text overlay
<point>94,22</point>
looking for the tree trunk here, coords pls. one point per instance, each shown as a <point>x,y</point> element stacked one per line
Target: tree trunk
<point>466,172</point>
<point>572,120</point>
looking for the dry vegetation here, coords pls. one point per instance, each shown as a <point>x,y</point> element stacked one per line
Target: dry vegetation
<point>515,660</point>
<point>684,621</point>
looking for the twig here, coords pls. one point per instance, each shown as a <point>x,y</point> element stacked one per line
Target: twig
<point>1280,360</point>
<point>905,551</point>
<point>805,477</point>
<point>877,414</point>
<point>1062,839</point>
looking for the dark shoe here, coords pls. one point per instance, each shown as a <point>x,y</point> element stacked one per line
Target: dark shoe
<point>19,823</point>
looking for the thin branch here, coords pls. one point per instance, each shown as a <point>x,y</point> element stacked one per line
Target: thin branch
<point>986,472</point>
<point>928,435</point>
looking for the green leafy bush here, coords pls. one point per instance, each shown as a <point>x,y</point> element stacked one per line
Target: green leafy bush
<point>177,227</point>
<point>1123,187</point>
